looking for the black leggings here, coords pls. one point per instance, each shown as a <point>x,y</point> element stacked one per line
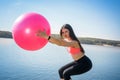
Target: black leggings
<point>80,66</point>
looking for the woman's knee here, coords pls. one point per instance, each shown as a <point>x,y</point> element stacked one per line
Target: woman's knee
<point>60,71</point>
<point>66,75</point>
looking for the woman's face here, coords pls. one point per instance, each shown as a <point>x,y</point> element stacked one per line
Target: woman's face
<point>65,33</point>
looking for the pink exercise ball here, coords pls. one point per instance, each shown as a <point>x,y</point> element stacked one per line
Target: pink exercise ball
<point>25,28</point>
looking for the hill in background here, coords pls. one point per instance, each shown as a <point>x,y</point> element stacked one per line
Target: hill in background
<point>83,40</point>
<point>96,41</point>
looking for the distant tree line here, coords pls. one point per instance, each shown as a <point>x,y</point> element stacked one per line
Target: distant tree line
<point>96,41</point>
<point>93,41</point>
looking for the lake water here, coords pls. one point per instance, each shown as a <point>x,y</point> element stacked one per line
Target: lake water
<point>43,64</point>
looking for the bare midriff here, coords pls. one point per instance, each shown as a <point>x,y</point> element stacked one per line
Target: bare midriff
<point>77,56</point>
<point>76,53</point>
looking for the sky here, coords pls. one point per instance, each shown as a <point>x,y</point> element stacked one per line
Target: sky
<point>89,18</point>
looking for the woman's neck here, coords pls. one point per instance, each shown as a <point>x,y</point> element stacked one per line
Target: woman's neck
<point>68,39</point>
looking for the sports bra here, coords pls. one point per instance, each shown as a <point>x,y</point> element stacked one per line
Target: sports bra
<point>72,50</point>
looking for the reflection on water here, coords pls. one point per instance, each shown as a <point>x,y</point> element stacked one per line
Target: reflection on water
<point>19,64</point>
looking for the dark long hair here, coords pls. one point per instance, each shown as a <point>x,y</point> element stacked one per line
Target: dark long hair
<point>72,34</point>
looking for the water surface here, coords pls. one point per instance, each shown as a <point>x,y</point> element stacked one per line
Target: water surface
<point>43,64</point>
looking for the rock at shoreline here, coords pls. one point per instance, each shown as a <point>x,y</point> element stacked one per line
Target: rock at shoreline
<point>5,34</point>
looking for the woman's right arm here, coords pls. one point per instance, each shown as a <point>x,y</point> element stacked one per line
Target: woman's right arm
<point>61,42</point>
<point>57,41</point>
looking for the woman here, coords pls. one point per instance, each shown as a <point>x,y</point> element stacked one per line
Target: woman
<point>81,63</point>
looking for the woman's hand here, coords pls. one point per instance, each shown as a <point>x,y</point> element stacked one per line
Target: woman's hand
<point>42,34</point>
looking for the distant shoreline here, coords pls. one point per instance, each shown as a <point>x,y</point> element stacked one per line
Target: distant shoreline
<point>96,41</point>
<point>83,40</point>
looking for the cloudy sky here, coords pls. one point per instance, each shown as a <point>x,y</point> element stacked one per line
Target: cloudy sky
<point>89,18</point>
